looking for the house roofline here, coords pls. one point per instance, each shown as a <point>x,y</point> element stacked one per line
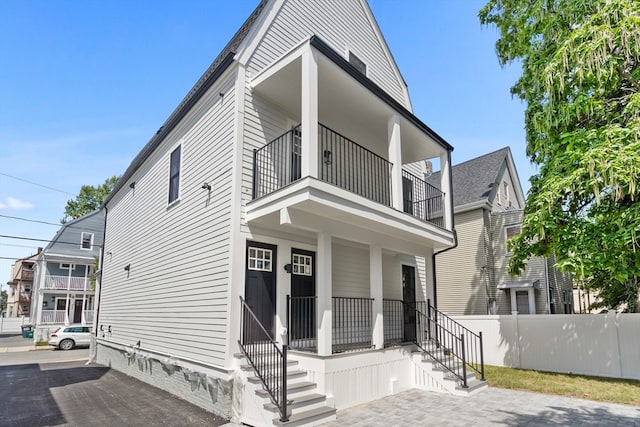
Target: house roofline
<point>337,59</point>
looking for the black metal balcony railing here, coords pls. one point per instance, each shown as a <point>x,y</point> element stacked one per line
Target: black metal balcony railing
<point>352,323</point>
<point>277,164</point>
<point>422,199</point>
<point>348,165</point>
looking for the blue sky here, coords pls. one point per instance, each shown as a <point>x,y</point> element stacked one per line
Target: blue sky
<point>84,85</point>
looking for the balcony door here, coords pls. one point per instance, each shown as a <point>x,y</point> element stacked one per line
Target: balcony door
<point>409,299</point>
<point>407,195</point>
<point>260,286</point>
<point>303,293</point>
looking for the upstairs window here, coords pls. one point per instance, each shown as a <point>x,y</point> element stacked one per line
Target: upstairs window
<point>174,175</point>
<point>505,194</point>
<point>87,241</point>
<point>509,232</point>
<point>357,62</point>
<point>65,266</point>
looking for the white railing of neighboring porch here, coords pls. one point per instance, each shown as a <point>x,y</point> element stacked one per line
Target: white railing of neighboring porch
<point>87,316</point>
<point>67,283</point>
<point>54,317</point>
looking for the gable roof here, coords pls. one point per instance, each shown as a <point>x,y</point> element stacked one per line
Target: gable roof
<point>68,238</point>
<point>217,67</point>
<point>474,180</point>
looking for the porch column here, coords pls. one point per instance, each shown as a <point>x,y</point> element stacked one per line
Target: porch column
<point>445,185</point>
<point>376,292</point>
<point>309,114</point>
<point>324,307</point>
<point>395,157</point>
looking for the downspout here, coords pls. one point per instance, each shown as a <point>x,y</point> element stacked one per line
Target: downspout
<point>453,229</point>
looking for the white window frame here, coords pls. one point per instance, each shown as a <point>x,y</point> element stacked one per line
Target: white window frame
<point>505,193</point>
<point>69,266</point>
<point>302,265</point>
<point>90,248</point>
<point>258,261</point>
<point>506,235</point>
<point>359,60</point>
<point>175,201</point>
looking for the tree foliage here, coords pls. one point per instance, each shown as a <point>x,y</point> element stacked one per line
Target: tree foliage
<point>581,82</point>
<point>88,199</point>
<point>3,300</point>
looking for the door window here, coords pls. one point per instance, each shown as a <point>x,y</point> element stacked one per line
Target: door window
<point>302,265</point>
<point>260,259</point>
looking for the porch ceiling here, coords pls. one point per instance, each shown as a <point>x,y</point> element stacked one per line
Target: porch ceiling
<point>314,206</point>
<point>344,105</point>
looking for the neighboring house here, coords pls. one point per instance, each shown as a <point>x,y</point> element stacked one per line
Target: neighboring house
<point>63,289</point>
<point>488,204</point>
<point>20,286</point>
<point>282,201</point>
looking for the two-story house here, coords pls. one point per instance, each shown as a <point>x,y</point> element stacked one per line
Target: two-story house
<point>488,205</point>
<point>20,286</point>
<point>278,218</point>
<point>64,283</point>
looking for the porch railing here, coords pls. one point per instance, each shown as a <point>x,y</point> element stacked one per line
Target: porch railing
<point>301,323</point>
<point>460,347</point>
<point>66,283</point>
<point>347,165</point>
<point>277,164</point>
<point>87,316</point>
<point>268,360</point>
<point>422,200</point>
<point>352,323</point>
<point>54,317</point>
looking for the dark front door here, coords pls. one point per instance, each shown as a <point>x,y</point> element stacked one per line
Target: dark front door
<point>409,299</point>
<point>77,312</point>
<point>303,293</point>
<point>260,288</point>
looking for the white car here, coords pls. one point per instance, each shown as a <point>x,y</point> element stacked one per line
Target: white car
<point>71,336</point>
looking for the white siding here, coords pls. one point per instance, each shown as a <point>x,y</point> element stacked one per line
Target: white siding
<point>350,271</point>
<point>343,24</point>
<point>174,298</point>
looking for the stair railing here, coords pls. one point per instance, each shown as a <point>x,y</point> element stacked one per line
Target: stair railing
<point>441,329</point>
<point>266,358</point>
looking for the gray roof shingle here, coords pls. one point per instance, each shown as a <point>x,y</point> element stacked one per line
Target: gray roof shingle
<point>474,179</point>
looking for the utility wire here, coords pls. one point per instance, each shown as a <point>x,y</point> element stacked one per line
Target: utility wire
<point>49,223</point>
<point>35,183</point>
<point>43,240</point>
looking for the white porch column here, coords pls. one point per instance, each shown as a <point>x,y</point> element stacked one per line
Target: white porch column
<point>395,157</point>
<point>309,113</point>
<point>324,310</point>
<point>532,300</point>
<point>376,292</point>
<point>445,185</point>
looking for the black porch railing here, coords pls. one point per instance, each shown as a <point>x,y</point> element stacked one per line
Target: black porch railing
<point>345,164</point>
<point>341,162</point>
<point>465,344</point>
<point>267,359</point>
<point>422,200</point>
<point>352,323</point>
<point>301,323</point>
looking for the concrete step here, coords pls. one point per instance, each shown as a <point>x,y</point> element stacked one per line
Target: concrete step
<point>293,390</point>
<point>308,418</point>
<point>291,376</point>
<point>473,387</point>
<point>247,367</point>
<point>299,402</point>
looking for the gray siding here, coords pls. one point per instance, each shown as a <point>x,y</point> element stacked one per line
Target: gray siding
<point>461,281</point>
<point>174,299</point>
<point>68,239</point>
<point>343,24</point>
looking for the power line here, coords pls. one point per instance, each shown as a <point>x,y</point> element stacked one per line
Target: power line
<point>35,183</point>
<point>49,223</point>
<point>43,240</point>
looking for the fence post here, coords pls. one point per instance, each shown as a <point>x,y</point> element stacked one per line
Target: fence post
<point>287,319</point>
<point>464,363</point>
<point>429,318</point>
<point>255,175</point>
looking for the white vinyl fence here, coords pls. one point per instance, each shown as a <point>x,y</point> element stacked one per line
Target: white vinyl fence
<point>12,324</point>
<point>605,345</point>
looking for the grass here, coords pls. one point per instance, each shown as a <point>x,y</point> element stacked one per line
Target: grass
<point>581,386</point>
<point>42,343</point>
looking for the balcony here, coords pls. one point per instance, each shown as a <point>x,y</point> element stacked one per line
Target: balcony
<point>66,283</point>
<point>26,275</point>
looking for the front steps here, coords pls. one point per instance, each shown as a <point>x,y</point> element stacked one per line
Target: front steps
<point>430,374</point>
<point>306,406</point>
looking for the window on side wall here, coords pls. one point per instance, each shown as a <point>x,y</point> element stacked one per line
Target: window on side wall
<point>510,231</point>
<point>357,63</point>
<point>86,241</point>
<point>505,194</point>
<point>174,175</point>
<point>65,266</point>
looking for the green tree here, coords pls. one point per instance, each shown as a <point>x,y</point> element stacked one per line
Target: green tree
<point>88,200</point>
<point>3,301</point>
<point>581,82</point>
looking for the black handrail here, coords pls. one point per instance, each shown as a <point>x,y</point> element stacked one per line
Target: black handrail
<point>301,323</point>
<point>473,345</point>
<point>422,200</point>
<point>265,357</point>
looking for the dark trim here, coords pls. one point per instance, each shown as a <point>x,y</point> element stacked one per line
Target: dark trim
<point>171,123</point>
<point>327,51</point>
